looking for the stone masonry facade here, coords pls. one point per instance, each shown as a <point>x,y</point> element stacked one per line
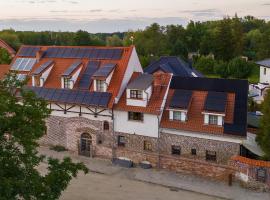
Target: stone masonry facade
<point>67,132</point>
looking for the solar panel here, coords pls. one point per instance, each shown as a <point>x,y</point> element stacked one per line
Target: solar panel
<point>215,101</point>
<point>105,70</point>
<point>60,53</point>
<point>16,64</point>
<point>64,96</point>
<point>181,99</point>
<point>104,100</point>
<point>43,67</point>
<point>80,97</point>
<point>31,62</point>
<point>50,94</point>
<point>28,51</point>
<point>86,79</point>
<point>23,64</point>
<point>117,54</point>
<point>43,92</point>
<point>72,68</point>
<point>72,96</point>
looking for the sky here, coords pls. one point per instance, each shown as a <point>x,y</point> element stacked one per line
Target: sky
<point>119,15</point>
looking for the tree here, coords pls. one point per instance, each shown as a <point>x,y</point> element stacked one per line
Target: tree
<point>5,58</point>
<point>240,68</point>
<point>221,68</point>
<point>238,36</point>
<point>205,64</point>
<point>82,38</point>
<point>22,123</point>
<point>263,138</point>
<point>114,41</point>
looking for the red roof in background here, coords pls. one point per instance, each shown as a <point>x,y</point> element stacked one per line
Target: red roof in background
<point>161,83</point>
<point>61,64</point>
<point>3,70</point>
<point>10,50</point>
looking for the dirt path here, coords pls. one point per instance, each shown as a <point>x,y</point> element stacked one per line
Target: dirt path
<point>103,187</point>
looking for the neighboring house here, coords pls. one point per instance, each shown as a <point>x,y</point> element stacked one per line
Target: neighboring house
<point>104,105</point>
<point>258,91</point>
<point>174,65</point>
<point>4,69</point>
<point>9,49</point>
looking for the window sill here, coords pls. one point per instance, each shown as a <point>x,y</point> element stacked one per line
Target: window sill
<point>131,120</point>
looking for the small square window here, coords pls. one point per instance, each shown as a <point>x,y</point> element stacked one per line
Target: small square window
<point>213,119</point>
<point>136,116</point>
<point>176,150</point>
<point>177,115</point>
<point>121,141</point>
<point>136,94</point>
<point>67,83</point>
<point>211,155</point>
<point>193,152</point>
<point>147,146</point>
<point>100,85</point>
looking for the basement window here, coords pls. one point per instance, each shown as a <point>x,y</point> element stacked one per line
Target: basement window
<point>193,152</point>
<point>261,175</point>
<point>147,146</point>
<point>211,156</point>
<point>176,150</point>
<point>121,141</point>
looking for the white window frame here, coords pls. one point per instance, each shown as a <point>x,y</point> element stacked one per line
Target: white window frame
<point>220,119</point>
<point>182,115</point>
<point>100,85</point>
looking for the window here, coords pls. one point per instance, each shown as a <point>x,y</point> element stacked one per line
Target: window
<point>211,155</point>
<point>147,146</point>
<point>136,94</point>
<point>193,152</point>
<point>213,119</point>
<point>177,115</point>
<point>106,126</point>
<point>100,85</point>
<point>67,83</point>
<point>264,71</point>
<point>121,141</point>
<point>261,175</point>
<point>176,150</point>
<point>135,116</point>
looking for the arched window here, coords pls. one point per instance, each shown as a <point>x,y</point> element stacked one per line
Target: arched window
<point>106,126</point>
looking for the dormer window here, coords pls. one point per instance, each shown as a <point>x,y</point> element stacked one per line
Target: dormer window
<point>136,94</point>
<point>68,83</point>
<point>40,75</point>
<point>213,119</point>
<point>100,86</point>
<point>176,115</point>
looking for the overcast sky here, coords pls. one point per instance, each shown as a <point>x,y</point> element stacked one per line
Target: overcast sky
<point>119,15</point>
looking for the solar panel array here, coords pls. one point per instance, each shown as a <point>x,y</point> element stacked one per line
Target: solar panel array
<point>215,101</point>
<point>77,97</point>
<point>28,51</point>
<point>72,67</point>
<point>86,78</point>
<point>105,70</point>
<point>181,99</point>
<point>23,64</point>
<point>21,77</point>
<point>80,53</point>
<point>43,67</point>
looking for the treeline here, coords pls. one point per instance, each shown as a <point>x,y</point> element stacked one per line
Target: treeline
<point>222,40</point>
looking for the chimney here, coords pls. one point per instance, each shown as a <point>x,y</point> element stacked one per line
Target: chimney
<point>39,55</point>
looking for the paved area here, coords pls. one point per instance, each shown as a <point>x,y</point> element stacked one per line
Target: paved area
<point>114,180</point>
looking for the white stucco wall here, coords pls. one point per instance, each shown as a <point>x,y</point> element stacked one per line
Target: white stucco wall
<point>149,126</point>
<point>134,65</point>
<point>264,78</point>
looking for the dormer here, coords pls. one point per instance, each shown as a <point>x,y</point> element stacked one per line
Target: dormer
<point>70,76</point>
<point>215,108</point>
<point>102,77</point>
<point>179,105</point>
<point>139,91</point>
<point>40,75</point>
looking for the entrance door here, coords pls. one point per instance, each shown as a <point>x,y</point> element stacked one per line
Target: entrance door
<point>85,144</point>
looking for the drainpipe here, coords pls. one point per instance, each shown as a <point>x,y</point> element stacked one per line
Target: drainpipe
<point>113,132</point>
<point>158,142</point>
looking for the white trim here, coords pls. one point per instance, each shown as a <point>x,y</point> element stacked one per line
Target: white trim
<point>175,109</point>
<point>209,113</point>
<point>222,138</point>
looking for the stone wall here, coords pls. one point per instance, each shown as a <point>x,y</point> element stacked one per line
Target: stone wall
<point>67,132</point>
<point>247,171</point>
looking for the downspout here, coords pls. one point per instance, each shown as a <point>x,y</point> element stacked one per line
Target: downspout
<point>158,142</point>
<point>113,132</point>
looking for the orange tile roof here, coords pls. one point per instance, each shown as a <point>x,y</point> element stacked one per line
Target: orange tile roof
<point>160,85</point>
<point>4,45</point>
<point>3,70</point>
<point>259,163</point>
<point>195,117</point>
<point>61,64</point>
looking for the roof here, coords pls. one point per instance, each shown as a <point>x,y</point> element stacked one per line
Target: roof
<point>72,68</point>
<point>235,122</point>
<point>181,99</point>
<point>215,101</point>
<point>142,82</point>
<point>64,56</point>
<point>43,67</point>
<point>159,90</point>
<point>265,63</point>
<point>105,70</point>
<point>174,65</point>
<point>4,69</point>
<point>252,162</point>
<point>10,50</point>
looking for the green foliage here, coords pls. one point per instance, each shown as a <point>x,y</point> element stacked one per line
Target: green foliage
<point>5,58</point>
<point>205,64</point>
<point>239,68</point>
<point>263,138</point>
<point>22,124</point>
<point>221,68</point>
<point>114,40</point>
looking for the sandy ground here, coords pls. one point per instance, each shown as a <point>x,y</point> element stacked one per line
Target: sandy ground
<point>103,187</point>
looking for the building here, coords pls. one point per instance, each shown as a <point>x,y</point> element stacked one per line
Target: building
<point>174,65</point>
<point>104,105</point>
<point>9,49</point>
